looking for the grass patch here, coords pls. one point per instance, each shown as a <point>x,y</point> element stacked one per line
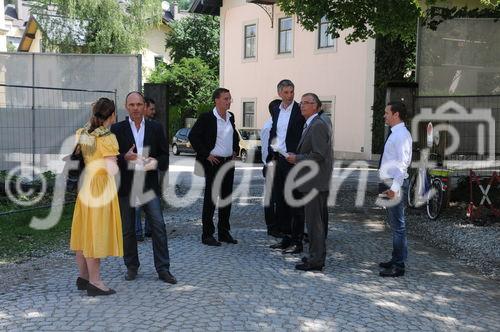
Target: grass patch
<point>18,241</point>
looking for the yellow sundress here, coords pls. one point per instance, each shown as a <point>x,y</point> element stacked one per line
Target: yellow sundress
<point>97,226</point>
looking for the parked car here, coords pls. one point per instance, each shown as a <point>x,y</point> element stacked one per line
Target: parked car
<point>250,145</point>
<point>180,142</point>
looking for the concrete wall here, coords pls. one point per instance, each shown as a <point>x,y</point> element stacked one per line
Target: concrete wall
<point>343,75</point>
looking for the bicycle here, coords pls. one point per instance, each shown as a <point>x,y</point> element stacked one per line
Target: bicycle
<point>428,186</point>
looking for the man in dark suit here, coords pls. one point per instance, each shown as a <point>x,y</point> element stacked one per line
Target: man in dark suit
<point>143,151</point>
<point>216,142</point>
<point>315,147</point>
<point>284,137</point>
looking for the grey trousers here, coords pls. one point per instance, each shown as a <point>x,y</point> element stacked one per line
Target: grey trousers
<point>317,223</point>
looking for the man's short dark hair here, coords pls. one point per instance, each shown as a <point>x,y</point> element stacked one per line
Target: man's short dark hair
<point>272,105</point>
<point>284,83</point>
<point>399,107</point>
<point>132,92</point>
<point>148,101</point>
<point>218,92</point>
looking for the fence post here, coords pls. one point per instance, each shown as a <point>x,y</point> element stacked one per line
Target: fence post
<point>33,119</point>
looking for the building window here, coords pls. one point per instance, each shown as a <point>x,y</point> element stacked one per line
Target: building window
<point>248,114</point>
<point>326,106</point>
<point>250,40</point>
<point>285,35</point>
<point>158,60</point>
<point>325,39</point>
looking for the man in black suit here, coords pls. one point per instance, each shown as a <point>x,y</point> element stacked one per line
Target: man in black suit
<point>216,142</point>
<point>284,138</point>
<point>143,151</point>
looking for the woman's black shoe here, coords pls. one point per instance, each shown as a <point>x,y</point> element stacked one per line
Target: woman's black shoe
<point>81,283</point>
<point>95,291</point>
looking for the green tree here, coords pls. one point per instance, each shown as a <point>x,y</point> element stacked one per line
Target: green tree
<point>195,36</point>
<point>190,84</point>
<point>96,26</point>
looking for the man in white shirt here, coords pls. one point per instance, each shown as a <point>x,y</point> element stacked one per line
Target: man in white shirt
<point>143,152</point>
<point>216,142</point>
<point>395,160</point>
<point>284,137</point>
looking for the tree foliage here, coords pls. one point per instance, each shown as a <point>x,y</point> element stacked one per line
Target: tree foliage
<point>195,36</point>
<point>190,83</point>
<point>96,26</point>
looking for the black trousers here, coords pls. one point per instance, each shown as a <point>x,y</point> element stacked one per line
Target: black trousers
<point>158,233</point>
<point>223,191</point>
<point>290,219</point>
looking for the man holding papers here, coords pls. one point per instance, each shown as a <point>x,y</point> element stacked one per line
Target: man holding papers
<point>284,137</point>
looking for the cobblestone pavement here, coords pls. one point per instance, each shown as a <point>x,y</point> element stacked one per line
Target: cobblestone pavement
<point>251,287</point>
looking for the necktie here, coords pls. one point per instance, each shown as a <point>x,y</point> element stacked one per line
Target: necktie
<point>382,154</point>
<point>304,129</point>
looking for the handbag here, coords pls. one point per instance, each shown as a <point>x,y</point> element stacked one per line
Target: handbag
<point>74,174</point>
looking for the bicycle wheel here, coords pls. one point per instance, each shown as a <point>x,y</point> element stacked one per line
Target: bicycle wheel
<point>412,190</point>
<point>435,199</point>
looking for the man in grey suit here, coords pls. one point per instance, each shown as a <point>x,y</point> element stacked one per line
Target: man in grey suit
<point>314,158</point>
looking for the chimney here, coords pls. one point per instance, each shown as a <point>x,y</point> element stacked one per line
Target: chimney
<point>21,10</point>
<point>175,9</point>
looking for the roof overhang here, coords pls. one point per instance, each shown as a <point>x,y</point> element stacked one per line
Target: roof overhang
<point>29,35</point>
<point>263,2</point>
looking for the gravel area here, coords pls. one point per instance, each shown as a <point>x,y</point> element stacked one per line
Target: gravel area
<point>477,245</point>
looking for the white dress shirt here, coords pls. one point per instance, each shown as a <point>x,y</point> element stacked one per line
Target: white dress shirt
<point>138,135</point>
<point>397,156</point>
<point>264,138</point>
<point>224,142</point>
<point>282,126</point>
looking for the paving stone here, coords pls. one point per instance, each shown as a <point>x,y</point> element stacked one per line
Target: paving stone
<point>249,287</point>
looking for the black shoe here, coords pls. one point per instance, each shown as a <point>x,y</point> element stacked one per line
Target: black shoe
<point>281,245</point>
<point>95,291</point>
<point>228,239</point>
<point>210,241</point>
<point>81,283</point>
<point>295,249</point>
<point>394,271</point>
<point>308,267</point>
<point>140,238</point>
<point>167,277</point>
<point>147,235</point>
<point>304,259</point>
<point>275,234</point>
<point>386,265</point>
<point>131,274</point>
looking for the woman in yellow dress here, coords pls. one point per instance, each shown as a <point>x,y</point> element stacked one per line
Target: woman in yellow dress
<point>96,231</point>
